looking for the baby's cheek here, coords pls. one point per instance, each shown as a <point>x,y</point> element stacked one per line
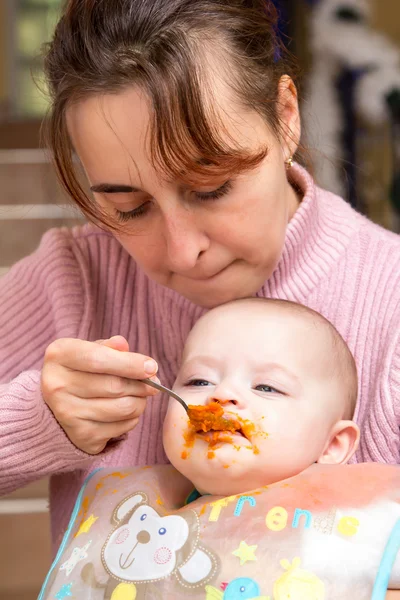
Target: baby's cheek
<point>174,428</point>
<point>162,555</point>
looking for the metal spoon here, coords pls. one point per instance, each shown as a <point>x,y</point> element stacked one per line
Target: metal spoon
<point>161,388</point>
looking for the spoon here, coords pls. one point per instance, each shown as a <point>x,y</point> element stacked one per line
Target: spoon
<point>219,424</point>
<point>161,388</point>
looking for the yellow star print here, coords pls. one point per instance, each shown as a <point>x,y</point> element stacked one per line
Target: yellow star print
<point>245,553</point>
<point>86,525</point>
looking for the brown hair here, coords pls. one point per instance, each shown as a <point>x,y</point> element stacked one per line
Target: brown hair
<point>104,46</point>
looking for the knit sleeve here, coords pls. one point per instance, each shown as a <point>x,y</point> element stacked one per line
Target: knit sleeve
<point>380,437</point>
<point>394,386</point>
<point>41,298</point>
<point>389,406</point>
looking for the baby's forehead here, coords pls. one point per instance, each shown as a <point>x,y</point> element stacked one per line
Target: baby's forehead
<point>263,325</point>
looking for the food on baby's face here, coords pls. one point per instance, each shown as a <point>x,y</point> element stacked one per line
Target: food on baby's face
<point>215,426</point>
<point>211,418</point>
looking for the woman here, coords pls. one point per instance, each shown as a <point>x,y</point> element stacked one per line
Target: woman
<point>185,120</point>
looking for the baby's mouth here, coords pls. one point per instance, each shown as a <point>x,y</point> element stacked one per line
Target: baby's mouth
<point>212,420</point>
<point>217,427</point>
<point>215,438</point>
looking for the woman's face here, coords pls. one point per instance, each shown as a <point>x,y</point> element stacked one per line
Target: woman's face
<point>212,243</point>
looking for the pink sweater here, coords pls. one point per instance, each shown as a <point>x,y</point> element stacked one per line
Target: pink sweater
<point>81,283</point>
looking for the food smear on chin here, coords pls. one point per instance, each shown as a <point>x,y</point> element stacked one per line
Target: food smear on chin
<point>215,426</point>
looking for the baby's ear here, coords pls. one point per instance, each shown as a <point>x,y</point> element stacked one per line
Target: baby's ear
<point>342,443</point>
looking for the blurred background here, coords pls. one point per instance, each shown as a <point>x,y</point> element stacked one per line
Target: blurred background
<point>349,55</point>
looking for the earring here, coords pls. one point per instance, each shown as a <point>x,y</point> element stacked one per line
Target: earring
<point>289,162</point>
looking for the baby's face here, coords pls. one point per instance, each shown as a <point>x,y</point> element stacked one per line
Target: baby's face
<point>268,367</point>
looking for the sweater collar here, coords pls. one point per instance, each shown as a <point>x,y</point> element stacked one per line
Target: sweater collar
<point>318,233</point>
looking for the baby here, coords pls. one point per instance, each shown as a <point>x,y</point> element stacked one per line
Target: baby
<point>286,373</point>
<point>275,513</point>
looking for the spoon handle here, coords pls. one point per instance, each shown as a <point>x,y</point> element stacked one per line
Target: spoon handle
<point>161,388</point>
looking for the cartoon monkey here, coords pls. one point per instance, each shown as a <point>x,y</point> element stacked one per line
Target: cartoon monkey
<point>144,548</point>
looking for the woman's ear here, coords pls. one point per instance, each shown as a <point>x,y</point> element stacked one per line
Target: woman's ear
<point>289,116</point>
<point>342,443</point>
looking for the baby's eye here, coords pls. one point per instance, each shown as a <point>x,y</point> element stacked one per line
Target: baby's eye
<point>262,387</point>
<point>198,382</point>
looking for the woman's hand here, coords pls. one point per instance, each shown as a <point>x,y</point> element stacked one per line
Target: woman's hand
<point>90,387</point>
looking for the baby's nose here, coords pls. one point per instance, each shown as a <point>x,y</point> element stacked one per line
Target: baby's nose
<point>143,537</point>
<point>224,401</point>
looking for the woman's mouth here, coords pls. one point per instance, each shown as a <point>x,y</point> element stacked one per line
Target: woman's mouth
<point>211,276</point>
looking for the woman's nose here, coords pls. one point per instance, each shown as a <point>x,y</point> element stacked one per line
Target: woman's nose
<point>185,241</point>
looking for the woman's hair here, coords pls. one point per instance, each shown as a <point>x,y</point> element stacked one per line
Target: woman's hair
<point>166,48</point>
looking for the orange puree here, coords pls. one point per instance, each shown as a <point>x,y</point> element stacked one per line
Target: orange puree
<point>211,418</point>
<point>216,424</point>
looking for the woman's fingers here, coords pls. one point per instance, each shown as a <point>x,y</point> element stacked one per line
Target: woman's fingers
<point>105,410</point>
<point>92,436</point>
<point>102,410</point>
<point>91,385</point>
<point>90,357</point>
<point>94,389</point>
<point>117,342</point>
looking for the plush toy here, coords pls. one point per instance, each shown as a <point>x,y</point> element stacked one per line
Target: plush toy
<point>343,39</point>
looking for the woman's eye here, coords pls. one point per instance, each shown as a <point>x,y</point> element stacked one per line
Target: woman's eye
<point>198,383</point>
<point>141,210</point>
<point>215,194</point>
<point>267,389</point>
<point>123,217</point>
